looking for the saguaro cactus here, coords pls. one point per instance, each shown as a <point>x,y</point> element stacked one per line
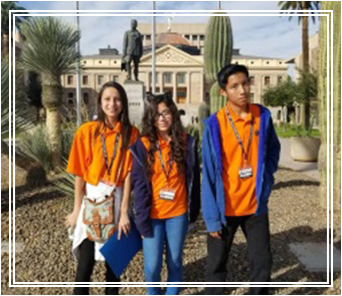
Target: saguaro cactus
<point>335,100</point>
<point>218,52</point>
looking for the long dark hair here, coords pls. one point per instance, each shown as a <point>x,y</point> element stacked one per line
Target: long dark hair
<point>126,130</point>
<point>176,132</point>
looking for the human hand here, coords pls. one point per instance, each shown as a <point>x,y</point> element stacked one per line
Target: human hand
<point>124,225</point>
<point>216,234</point>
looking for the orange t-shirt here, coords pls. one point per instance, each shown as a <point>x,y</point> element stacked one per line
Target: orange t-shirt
<point>86,156</point>
<point>239,193</point>
<point>163,209</point>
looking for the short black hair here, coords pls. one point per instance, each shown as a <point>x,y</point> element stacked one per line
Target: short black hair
<point>226,71</point>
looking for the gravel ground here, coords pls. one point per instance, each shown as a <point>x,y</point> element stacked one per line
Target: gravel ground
<point>295,216</point>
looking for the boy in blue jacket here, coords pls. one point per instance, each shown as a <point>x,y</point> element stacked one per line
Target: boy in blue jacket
<point>240,152</point>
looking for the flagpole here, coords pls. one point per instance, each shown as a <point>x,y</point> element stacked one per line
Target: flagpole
<point>153,34</point>
<point>78,76</point>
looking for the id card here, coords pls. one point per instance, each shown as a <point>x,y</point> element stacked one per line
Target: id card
<point>245,172</point>
<point>167,194</point>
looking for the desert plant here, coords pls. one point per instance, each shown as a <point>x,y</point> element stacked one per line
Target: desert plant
<point>335,6</point>
<point>218,51</point>
<point>50,51</point>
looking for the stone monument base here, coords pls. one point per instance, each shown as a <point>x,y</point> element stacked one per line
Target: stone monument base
<point>136,95</point>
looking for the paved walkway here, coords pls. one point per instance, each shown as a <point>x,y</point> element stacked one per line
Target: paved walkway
<point>308,168</point>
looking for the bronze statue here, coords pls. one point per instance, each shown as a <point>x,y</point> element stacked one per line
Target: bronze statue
<point>132,50</point>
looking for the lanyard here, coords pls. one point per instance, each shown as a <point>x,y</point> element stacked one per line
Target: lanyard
<point>238,136</point>
<point>167,174</point>
<point>105,155</point>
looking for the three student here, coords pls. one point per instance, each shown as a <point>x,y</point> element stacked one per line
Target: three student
<point>240,153</point>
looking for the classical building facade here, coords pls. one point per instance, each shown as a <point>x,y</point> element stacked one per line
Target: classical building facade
<point>179,69</point>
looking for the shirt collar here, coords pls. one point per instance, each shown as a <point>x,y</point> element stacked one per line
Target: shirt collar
<point>162,143</point>
<point>116,130</point>
<point>236,118</point>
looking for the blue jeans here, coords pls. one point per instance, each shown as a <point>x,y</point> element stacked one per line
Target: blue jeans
<point>172,232</point>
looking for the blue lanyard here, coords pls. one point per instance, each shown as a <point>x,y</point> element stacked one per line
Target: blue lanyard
<point>245,154</point>
<point>167,174</point>
<point>105,155</point>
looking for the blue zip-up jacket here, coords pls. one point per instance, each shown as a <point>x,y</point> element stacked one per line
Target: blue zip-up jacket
<point>142,186</point>
<point>213,197</point>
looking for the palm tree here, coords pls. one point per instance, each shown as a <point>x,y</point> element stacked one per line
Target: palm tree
<point>6,6</point>
<point>309,7</point>
<point>50,50</point>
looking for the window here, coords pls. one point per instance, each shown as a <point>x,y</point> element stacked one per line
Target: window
<point>86,98</point>
<point>100,80</point>
<point>187,37</point>
<point>280,79</point>
<point>100,62</point>
<point>70,95</point>
<point>71,101</point>
<point>115,78</point>
<point>251,80</point>
<point>280,63</point>
<point>181,78</point>
<point>148,37</point>
<point>70,79</point>
<point>167,77</point>
<point>252,62</point>
<point>85,79</point>
<point>267,80</point>
<point>194,37</point>
<point>202,37</point>
<point>267,63</point>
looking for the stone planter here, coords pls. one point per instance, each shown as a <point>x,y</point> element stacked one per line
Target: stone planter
<point>305,149</point>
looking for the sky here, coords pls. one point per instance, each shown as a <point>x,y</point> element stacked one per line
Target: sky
<point>266,36</point>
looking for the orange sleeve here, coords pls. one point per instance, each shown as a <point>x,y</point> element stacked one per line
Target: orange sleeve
<point>78,160</point>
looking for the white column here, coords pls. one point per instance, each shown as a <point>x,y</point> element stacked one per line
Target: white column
<point>202,87</point>
<point>188,87</point>
<point>161,82</point>
<point>174,74</point>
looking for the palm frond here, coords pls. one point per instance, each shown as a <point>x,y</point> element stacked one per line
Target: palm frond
<point>24,118</point>
<point>290,7</point>
<point>50,46</point>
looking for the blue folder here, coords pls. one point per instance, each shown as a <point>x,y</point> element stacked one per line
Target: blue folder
<point>118,253</point>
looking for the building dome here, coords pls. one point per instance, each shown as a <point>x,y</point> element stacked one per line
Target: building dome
<point>171,38</point>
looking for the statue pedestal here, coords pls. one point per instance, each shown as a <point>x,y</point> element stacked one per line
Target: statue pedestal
<point>136,94</point>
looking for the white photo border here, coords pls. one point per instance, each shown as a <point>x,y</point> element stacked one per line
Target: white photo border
<point>182,284</point>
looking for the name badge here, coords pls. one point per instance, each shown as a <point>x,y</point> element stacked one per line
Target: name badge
<point>167,194</point>
<point>245,172</point>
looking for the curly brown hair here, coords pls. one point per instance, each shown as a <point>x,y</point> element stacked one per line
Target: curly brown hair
<point>176,132</point>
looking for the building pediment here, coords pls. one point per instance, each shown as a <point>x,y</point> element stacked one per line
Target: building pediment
<point>170,56</point>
